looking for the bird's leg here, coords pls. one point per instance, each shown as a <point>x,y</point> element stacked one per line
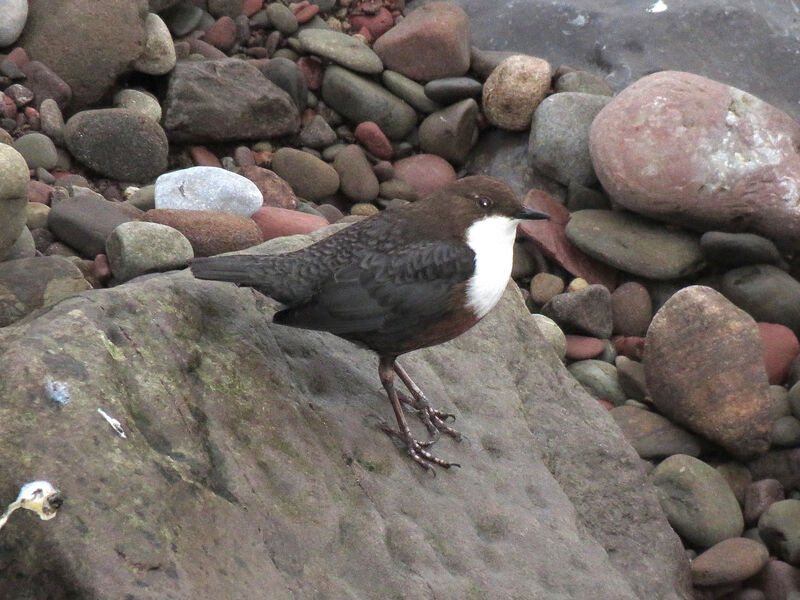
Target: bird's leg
<point>416,449</point>
<point>435,420</point>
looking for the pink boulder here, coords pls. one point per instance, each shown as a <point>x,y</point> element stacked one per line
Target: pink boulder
<point>426,173</point>
<point>696,152</point>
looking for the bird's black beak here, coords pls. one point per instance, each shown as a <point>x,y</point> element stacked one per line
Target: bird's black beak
<point>528,214</point>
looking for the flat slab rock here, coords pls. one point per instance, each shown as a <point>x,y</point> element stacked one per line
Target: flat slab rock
<point>252,465</point>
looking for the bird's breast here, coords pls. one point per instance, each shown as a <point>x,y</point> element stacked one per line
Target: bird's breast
<point>492,240</point>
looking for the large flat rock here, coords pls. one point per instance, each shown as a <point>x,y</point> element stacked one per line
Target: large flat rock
<point>252,465</point>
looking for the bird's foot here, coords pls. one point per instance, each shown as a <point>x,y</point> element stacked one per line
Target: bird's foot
<point>417,449</point>
<point>435,420</point>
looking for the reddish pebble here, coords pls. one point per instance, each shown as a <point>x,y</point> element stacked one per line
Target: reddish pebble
<point>39,192</point>
<point>8,110</point>
<point>370,136</point>
<point>780,349</point>
<point>278,222</point>
<point>18,56</point>
<point>274,190</point>
<point>251,7</point>
<point>101,267</point>
<point>222,34</point>
<point>630,346</point>
<point>305,14</point>
<point>263,158</point>
<point>33,119</point>
<point>581,347</point>
<point>606,404</point>
<point>376,24</point>
<point>312,70</point>
<point>203,157</point>
<point>426,173</point>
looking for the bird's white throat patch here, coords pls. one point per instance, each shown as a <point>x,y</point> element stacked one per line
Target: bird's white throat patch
<point>492,240</point>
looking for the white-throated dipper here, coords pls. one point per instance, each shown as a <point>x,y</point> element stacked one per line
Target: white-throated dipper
<point>409,277</point>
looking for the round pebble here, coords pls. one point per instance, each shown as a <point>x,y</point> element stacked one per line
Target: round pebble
<point>138,247</point>
<point>558,145</point>
<point>653,436</point>
<point>729,561</point>
<point>363,209</point>
<point>514,89</point>
<point>779,527</point>
<point>158,56</point>
<point>310,177</point>
<point>278,222</point>
<point>369,134</point>
<point>544,286</point>
<point>209,232</point>
<point>394,188</point>
<point>118,143</point>
<point>13,196</point>
<point>786,432</point>
<point>600,379</point>
<point>697,500</point>
<point>37,149</point>
<point>581,347</point>
<point>36,215</point>
<point>207,188</point>
<point>631,308</point>
<point>358,182</point>
<point>138,101</point>
<point>766,292</point>
<point>426,173</point>
<point>52,120</point>
<point>781,347</point>
<point>282,18</point>
<point>222,34</point>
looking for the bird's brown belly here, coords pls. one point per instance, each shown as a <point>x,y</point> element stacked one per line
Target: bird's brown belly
<point>452,324</point>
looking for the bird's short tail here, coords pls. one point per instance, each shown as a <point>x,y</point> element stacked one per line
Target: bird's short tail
<point>241,269</point>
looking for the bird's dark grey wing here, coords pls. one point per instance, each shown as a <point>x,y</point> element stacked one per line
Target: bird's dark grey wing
<point>387,292</point>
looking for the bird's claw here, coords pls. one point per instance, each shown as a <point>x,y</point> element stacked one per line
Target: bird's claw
<point>435,420</point>
<point>417,449</point>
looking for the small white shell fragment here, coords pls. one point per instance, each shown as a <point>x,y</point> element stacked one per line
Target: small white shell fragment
<point>116,425</point>
<point>37,496</point>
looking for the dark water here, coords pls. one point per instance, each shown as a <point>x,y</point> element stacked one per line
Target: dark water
<point>751,44</point>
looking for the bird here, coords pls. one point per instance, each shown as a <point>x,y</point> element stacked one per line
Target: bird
<point>406,278</point>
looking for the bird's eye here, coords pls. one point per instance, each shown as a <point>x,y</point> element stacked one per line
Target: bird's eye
<point>484,203</point>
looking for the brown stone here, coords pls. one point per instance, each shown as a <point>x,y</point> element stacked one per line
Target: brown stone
<point>430,43</point>
<point>705,371</point>
<point>277,222</point>
<point>209,232</point>
<point>275,190</point>
<point>729,561</point>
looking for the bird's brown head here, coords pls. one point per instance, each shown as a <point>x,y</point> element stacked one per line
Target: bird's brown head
<point>472,199</point>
